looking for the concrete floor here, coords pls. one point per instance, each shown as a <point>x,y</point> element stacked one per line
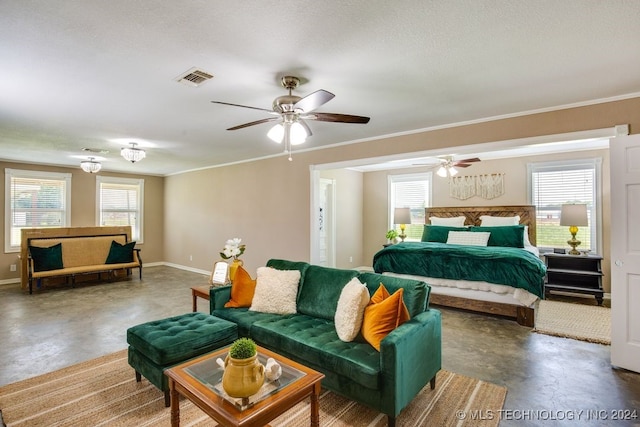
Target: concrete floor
<point>546,377</point>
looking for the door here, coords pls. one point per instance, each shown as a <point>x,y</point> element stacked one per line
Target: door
<point>625,252</point>
<point>326,223</point>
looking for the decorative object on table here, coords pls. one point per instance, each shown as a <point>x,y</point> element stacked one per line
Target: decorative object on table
<point>232,250</point>
<point>392,236</point>
<point>219,274</point>
<point>402,216</point>
<point>272,370</point>
<point>243,373</point>
<point>574,216</point>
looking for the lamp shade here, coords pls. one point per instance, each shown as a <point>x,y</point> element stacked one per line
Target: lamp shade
<point>574,215</point>
<point>402,216</point>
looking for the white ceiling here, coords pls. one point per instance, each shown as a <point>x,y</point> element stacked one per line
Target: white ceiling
<point>100,74</point>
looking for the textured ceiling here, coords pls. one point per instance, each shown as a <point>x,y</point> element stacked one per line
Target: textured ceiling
<point>100,74</point>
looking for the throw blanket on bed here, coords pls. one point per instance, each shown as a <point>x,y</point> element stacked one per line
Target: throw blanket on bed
<point>504,266</point>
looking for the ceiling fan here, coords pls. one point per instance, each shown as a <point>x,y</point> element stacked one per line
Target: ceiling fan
<point>291,112</point>
<point>447,166</point>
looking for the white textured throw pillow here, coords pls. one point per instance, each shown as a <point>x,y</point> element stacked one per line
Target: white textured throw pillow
<point>468,238</point>
<point>350,312</point>
<point>457,221</point>
<point>498,221</point>
<point>276,291</point>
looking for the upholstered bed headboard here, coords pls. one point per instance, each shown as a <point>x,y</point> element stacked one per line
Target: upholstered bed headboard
<point>472,213</point>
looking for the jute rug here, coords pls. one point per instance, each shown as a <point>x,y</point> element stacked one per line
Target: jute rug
<point>578,321</point>
<point>103,392</point>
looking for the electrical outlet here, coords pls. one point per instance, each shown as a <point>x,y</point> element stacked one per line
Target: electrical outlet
<point>12,267</point>
<point>190,257</point>
<point>350,259</point>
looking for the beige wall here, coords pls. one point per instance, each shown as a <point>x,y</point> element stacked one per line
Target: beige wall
<point>83,211</point>
<point>266,202</point>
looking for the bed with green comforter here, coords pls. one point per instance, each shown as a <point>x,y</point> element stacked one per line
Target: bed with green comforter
<point>509,266</point>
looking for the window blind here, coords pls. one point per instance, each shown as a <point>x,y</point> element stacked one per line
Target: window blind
<point>551,187</point>
<point>120,204</point>
<point>35,200</point>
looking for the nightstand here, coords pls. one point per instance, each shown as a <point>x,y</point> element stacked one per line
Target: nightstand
<point>574,273</point>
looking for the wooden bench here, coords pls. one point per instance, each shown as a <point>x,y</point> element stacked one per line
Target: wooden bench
<point>81,254</point>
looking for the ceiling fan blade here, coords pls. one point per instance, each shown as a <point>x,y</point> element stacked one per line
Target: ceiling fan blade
<point>313,101</point>
<point>461,165</point>
<point>257,122</point>
<point>341,118</point>
<point>244,106</point>
<point>474,159</point>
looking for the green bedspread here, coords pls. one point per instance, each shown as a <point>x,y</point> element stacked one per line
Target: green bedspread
<point>504,266</point>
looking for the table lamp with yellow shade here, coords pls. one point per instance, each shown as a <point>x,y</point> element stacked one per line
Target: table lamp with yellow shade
<point>574,216</point>
<point>402,216</point>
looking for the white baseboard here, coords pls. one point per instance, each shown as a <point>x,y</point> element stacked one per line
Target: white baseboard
<point>184,267</point>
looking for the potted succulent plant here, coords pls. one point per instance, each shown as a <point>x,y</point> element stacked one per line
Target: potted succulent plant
<point>243,373</point>
<point>392,236</point>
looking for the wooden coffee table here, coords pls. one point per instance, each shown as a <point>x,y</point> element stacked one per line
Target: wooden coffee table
<point>199,381</point>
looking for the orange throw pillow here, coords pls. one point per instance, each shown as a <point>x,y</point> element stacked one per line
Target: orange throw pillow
<point>383,314</point>
<point>242,290</point>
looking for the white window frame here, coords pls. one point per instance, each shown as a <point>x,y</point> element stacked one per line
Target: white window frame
<point>588,163</point>
<point>140,201</point>
<point>9,174</point>
<point>393,179</point>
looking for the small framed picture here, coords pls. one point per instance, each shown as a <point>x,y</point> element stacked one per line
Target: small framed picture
<point>220,274</point>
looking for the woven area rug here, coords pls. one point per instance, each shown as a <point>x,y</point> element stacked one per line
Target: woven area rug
<point>103,392</point>
<point>578,321</point>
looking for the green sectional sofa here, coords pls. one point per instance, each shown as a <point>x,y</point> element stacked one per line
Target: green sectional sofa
<point>409,357</point>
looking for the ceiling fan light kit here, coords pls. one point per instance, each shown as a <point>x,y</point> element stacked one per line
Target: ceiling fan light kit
<point>133,154</point>
<point>291,111</point>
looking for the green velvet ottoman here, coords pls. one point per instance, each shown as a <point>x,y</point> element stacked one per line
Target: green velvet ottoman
<point>158,345</point>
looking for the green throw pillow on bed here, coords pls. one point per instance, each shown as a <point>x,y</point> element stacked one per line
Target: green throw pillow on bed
<point>119,254</point>
<point>45,259</point>
<point>439,233</point>
<point>506,236</point>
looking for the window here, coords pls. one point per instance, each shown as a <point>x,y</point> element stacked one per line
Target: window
<point>35,199</point>
<point>410,191</point>
<point>553,184</point>
<point>120,203</point>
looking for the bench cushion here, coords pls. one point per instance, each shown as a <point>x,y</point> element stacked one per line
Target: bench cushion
<point>45,259</point>
<point>119,253</point>
<point>178,338</point>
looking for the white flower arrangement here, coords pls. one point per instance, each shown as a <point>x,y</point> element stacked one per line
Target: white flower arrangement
<point>232,249</point>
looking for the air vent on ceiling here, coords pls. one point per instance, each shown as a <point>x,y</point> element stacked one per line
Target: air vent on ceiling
<point>194,77</point>
<point>95,150</point>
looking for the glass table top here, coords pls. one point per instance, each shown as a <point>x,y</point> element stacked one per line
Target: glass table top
<point>209,374</point>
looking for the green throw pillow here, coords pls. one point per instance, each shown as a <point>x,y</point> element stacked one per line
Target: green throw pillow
<point>119,254</point>
<point>439,233</point>
<point>506,236</point>
<point>45,259</point>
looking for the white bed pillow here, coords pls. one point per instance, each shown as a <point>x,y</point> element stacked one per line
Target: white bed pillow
<point>276,291</point>
<point>350,312</point>
<point>497,221</point>
<point>468,238</point>
<point>457,221</point>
